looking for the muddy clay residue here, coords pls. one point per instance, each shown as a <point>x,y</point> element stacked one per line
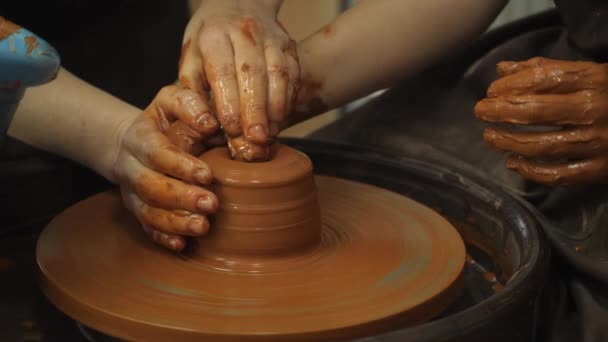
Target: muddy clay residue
<point>248,28</point>
<point>7,28</point>
<point>329,31</point>
<point>32,44</point>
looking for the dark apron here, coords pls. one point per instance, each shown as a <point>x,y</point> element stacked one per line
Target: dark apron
<point>431,116</point>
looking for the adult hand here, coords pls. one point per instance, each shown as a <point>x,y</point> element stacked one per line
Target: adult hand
<point>241,53</point>
<point>163,185</point>
<point>569,97</point>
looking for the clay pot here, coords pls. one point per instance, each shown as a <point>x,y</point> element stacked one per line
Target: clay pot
<point>267,210</point>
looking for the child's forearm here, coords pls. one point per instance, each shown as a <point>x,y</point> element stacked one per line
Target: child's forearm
<point>71,118</point>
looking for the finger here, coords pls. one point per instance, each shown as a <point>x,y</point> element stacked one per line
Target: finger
<point>184,104</point>
<point>588,171</point>
<point>153,149</point>
<point>185,138</point>
<point>180,223</point>
<point>190,68</point>
<point>554,78</point>
<point>293,67</point>
<point>170,241</point>
<point>581,108</point>
<point>278,80</point>
<point>253,80</point>
<point>244,150</point>
<point>165,192</point>
<point>221,72</point>
<point>512,67</point>
<point>573,143</point>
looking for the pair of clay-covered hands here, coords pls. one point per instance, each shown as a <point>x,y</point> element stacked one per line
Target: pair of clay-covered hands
<point>238,76</point>
<point>239,73</point>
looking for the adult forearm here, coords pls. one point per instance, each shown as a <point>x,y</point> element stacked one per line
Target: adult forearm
<point>378,42</point>
<point>226,5</point>
<point>71,118</point>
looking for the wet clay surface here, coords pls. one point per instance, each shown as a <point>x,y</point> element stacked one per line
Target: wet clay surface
<point>380,261</point>
<point>267,210</point>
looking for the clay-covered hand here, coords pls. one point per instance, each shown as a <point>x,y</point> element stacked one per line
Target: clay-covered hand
<point>241,53</point>
<point>570,99</point>
<point>161,184</point>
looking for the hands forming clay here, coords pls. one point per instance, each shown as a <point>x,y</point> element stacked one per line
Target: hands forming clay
<point>161,184</point>
<point>243,56</point>
<point>570,96</point>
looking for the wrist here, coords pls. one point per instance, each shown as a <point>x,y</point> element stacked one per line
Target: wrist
<point>104,163</point>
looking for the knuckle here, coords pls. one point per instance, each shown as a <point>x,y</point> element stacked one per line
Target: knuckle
<point>165,91</point>
<point>251,69</point>
<point>255,109</point>
<point>279,71</point>
<point>212,32</point>
<point>185,96</point>
<point>224,71</point>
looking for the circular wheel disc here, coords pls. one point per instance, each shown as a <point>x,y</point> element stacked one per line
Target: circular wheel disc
<point>384,262</point>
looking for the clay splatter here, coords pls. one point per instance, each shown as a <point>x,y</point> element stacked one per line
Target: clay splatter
<point>32,43</point>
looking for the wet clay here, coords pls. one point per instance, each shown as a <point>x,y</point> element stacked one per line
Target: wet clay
<point>7,28</point>
<point>290,256</point>
<point>267,209</point>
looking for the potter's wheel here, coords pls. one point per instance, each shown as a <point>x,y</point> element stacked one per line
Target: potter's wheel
<point>383,261</point>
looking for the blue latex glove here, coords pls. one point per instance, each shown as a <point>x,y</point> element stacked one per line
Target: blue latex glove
<point>26,60</point>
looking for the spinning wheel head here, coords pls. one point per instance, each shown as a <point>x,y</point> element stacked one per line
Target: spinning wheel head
<point>338,259</point>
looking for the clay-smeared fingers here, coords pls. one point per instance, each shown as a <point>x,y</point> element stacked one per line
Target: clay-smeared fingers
<point>253,79</point>
<point>242,149</point>
<point>185,138</point>
<point>166,221</point>
<point>170,241</point>
<point>582,108</point>
<point>190,68</point>
<point>159,154</point>
<point>278,81</point>
<point>588,171</point>
<point>572,143</point>
<point>165,192</point>
<point>178,103</point>
<point>554,78</point>
<point>221,72</point>
<point>511,67</point>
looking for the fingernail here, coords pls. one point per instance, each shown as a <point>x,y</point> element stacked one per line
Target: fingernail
<point>203,176</point>
<point>257,133</point>
<point>481,108</point>
<point>196,226</point>
<point>207,204</point>
<point>207,121</point>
